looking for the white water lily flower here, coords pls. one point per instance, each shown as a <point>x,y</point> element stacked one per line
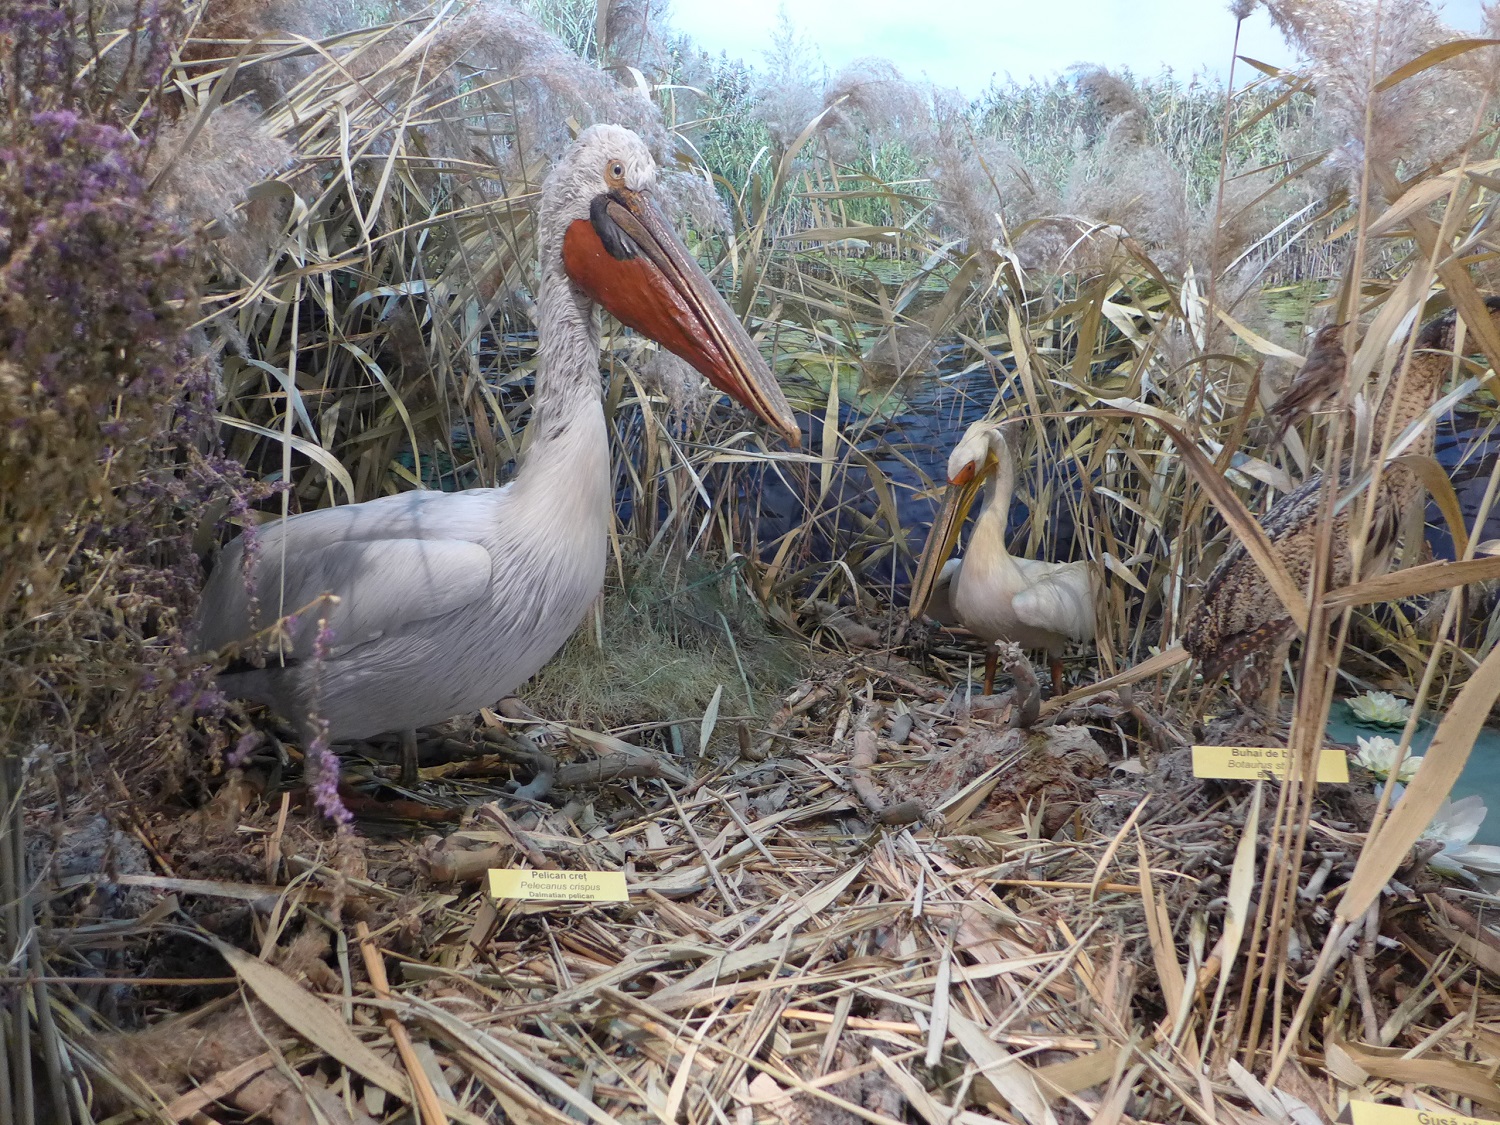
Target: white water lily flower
<point>1378,755</point>
<point>1454,826</point>
<point>1380,708</point>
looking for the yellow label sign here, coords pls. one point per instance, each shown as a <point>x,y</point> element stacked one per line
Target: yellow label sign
<point>1251,763</point>
<point>1368,1113</point>
<point>558,886</point>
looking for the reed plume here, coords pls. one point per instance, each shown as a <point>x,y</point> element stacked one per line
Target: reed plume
<point>788,97</point>
<point>204,170</point>
<point>1351,45</point>
<point>545,81</point>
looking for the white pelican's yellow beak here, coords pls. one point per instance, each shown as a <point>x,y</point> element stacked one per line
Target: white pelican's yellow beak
<point>963,490</point>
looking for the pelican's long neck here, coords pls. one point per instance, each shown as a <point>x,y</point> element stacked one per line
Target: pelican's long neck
<point>988,540</point>
<point>567,377</point>
<point>565,469</point>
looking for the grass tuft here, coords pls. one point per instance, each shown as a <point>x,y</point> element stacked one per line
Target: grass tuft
<point>660,644</point>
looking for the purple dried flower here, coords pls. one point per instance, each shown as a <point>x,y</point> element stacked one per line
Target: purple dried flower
<point>322,766</point>
<point>104,407</point>
<point>244,748</point>
<point>323,642</point>
<point>208,701</point>
<point>63,120</point>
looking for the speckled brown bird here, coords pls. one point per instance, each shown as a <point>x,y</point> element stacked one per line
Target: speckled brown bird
<point>1316,384</point>
<point>1240,614</point>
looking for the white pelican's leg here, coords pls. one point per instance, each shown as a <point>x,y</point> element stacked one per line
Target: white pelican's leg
<point>1057,676</point>
<point>408,757</point>
<point>991,659</point>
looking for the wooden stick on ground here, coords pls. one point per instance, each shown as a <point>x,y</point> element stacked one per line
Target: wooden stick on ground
<point>425,1096</point>
<point>861,760</point>
<point>215,1088</point>
<point>1157,664</point>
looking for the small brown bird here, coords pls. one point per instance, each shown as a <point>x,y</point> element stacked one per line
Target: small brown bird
<point>1317,383</point>
<point>1240,615</point>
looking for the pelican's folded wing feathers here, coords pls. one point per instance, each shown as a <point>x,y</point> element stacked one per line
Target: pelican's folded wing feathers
<point>387,584</point>
<point>1061,601</point>
<point>383,583</point>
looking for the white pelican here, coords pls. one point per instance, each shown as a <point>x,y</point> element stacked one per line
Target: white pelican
<point>449,601</point>
<point>992,593</point>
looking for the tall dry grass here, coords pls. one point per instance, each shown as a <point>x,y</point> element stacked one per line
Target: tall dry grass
<point>366,196</point>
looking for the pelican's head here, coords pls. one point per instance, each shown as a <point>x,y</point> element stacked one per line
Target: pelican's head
<point>979,451</point>
<point>599,215</point>
<point>985,447</point>
<point>603,158</point>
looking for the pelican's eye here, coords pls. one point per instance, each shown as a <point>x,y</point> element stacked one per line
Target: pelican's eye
<point>963,476</point>
<point>614,174</point>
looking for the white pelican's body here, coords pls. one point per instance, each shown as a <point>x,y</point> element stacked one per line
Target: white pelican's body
<point>446,602</point>
<point>994,594</point>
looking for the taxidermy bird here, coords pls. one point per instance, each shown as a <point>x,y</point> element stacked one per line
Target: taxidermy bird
<point>1240,614</point>
<point>998,596</point>
<point>1317,383</point>
<point>446,601</point>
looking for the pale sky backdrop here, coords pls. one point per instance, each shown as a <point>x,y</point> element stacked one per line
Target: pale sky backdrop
<point>964,43</point>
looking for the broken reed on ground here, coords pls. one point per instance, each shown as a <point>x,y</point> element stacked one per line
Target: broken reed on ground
<point>370,272</point>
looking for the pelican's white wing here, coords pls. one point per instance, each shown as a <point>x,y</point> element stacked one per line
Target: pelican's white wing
<point>1059,598</point>
<point>391,562</point>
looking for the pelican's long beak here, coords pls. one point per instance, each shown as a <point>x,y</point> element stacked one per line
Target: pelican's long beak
<point>963,490</point>
<point>626,257</point>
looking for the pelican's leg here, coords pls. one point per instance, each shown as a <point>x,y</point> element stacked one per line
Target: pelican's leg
<point>1200,700</point>
<point>1211,671</point>
<point>991,659</point>
<point>1057,676</point>
<point>408,757</point>
<point>1270,696</point>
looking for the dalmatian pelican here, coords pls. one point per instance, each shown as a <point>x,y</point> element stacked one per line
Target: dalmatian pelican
<point>998,596</point>
<point>446,602</point>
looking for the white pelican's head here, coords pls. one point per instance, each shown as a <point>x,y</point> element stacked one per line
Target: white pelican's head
<point>600,223</point>
<point>979,452</point>
<point>986,446</point>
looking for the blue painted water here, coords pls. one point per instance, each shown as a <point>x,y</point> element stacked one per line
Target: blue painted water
<point>1481,774</point>
<point>906,439</point>
<point>906,433</point>
<point>909,445</point>
<point>1464,444</point>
